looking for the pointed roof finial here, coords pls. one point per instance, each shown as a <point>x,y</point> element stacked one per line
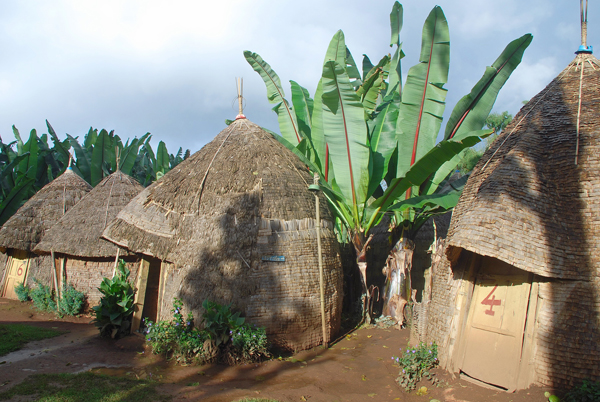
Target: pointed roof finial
<point>240,89</point>
<point>584,48</point>
<point>70,160</point>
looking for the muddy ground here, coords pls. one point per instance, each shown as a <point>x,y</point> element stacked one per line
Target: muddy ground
<point>357,368</point>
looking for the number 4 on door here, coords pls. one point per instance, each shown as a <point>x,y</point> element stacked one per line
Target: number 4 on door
<point>491,302</point>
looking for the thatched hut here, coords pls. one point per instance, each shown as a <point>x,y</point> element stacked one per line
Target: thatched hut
<point>83,257</point>
<point>26,228</point>
<point>234,223</point>
<point>517,302</point>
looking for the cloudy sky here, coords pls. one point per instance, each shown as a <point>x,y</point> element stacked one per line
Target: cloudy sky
<point>169,68</point>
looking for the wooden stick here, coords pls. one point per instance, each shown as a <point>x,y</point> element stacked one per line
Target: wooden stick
<point>116,262</point>
<point>55,279</point>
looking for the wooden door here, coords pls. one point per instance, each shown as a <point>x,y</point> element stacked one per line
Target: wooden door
<point>147,297</point>
<point>494,333</point>
<point>18,264</point>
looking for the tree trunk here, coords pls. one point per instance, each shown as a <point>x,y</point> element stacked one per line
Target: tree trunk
<point>360,245</point>
<point>398,289</point>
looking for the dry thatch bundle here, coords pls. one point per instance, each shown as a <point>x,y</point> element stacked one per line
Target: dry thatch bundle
<point>78,233</point>
<point>234,223</point>
<point>26,228</point>
<point>531,210</point>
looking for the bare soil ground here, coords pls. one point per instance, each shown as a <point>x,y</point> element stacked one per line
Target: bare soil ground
<point>357,368</point>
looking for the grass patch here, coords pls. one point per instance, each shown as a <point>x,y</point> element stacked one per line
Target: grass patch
<point>84,387</point>
<point>15,336</point>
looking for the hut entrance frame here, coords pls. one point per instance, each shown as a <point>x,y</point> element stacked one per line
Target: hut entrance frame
<point>17,268</point>
<point>495,345</point>
<point>150,290</point>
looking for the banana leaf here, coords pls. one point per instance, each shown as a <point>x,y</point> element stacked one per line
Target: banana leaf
<point>28,166</point>
<point>103,157</point>
<point>19,140</point>
<point>162,159</point>
<point>90,139</point>
<point>303,108</point>
<point>423,96</point>
<point>275,94</point>
<point>14,199</point>
<point>337,50</point>
<point>83,157</point>
<point>471,111</point>
<point>346,133</point>
<point>382,143</point>
<point>6,175</point>
<point>374,84</point>
<point>420,172</point>
<point>366,66</point>
<point>396,21</point>
<point>59,146</point>
<point>352,70</point>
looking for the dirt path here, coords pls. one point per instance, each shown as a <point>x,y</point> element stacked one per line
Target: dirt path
<point>357,368</point>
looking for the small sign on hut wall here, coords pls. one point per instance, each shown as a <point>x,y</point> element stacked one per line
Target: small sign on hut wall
<point>277,258</point>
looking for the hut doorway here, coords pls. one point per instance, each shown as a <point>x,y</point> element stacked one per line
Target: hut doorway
<point>16,272</point>
<point>494,333</point>
<point>147,297</point>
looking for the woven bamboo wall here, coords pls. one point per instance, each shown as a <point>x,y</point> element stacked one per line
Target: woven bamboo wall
<point>87,274</point>
<point>40,268</point>
<point>568,342</point>
<point>283,297</point>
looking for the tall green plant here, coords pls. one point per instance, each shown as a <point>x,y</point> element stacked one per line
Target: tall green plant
<point>113,314</point>
<point>373,140</point>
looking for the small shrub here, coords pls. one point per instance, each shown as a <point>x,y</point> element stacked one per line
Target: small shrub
<point>113,314</point>
<point>219,321</point>
<point>42,297</point>
<point>22,292</point>
<point>178,338</point>
<point>249,344</point>
<point>224,335</point>
<point>587,391</point>
<point>416,363</point>
<point>71,301</point>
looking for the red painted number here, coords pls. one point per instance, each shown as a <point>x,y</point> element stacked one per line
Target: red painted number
<point>491,302</point>
<point>20,271</point>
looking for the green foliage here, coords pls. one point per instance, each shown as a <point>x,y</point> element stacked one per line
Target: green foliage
<point>249,344</point>
<point>71,301</point>
<point>22,292</point>
<point>15,336</point>
<point>469,159</point>
<point>587,391</point>
<point>42,296</point>
<point>416,363</point>
<point>178,338</point>
<point>82,387</point>
<point>227,337</point>
<point>113,314</point>
<point>219,321</point>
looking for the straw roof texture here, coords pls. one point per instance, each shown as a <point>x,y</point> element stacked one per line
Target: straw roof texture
<point>243,171</point>
<point>25,229</point>
<point>533,200</point>
<point>78,232</point>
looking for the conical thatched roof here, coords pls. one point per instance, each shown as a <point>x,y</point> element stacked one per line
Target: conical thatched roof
<point>78,232</point>
<point>25,229</point>
<point>233,169</point>
<point>533,200</point>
